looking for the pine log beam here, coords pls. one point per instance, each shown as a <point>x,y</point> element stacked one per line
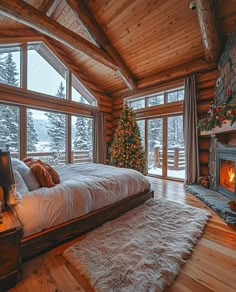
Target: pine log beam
<point>209,33</point>
<point>85,17</point>
<point>149,84</point>
<point>28,15</point>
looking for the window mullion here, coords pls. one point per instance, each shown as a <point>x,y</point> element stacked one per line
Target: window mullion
<point>24,66</point>
<point>68,140</point>
<point>23,132</point>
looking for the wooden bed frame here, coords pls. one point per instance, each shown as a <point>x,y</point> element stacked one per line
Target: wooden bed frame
<point>43,241</point>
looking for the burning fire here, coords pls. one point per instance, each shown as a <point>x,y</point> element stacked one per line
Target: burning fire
<point>231,175</point>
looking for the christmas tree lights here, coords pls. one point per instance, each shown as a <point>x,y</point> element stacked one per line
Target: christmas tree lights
<point>127,150</point>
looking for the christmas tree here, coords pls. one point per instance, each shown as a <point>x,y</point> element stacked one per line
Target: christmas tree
<point>127,150</point>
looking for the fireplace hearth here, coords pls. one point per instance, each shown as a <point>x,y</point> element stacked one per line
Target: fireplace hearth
<point>225,170</point>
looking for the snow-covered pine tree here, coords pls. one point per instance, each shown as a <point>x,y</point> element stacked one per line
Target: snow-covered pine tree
<point>32,136</point>
<point>83,134</point>
<point>56,130</point>
<point>9,72</point>
<point>9,114</point>
<point>127,150</point>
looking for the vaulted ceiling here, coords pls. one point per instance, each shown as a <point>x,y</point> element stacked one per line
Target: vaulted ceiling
<point>129,43</point>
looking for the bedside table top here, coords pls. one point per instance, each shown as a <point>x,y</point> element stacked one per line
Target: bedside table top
<point>9,222</point>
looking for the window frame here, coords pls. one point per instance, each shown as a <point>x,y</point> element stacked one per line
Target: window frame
<point>146,97</point>
<point>23,129</point>
<point>23,44</point>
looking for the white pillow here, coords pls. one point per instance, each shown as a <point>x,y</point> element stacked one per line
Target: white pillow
<point>20,183</point>
<point>26,174</point>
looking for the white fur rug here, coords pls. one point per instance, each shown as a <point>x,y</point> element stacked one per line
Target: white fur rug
<point>142,250</point>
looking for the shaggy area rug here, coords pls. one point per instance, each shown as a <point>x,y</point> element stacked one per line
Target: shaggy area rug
<point>142,250</point>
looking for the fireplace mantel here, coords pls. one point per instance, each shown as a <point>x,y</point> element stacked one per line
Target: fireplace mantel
<point>226,128</point>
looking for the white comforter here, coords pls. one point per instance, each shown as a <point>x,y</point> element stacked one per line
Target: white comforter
<point>84,188</point>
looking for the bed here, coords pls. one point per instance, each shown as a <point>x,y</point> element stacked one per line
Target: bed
<point>89,194</point>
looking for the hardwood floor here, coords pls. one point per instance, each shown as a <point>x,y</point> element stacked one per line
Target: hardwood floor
<point>211,267</point>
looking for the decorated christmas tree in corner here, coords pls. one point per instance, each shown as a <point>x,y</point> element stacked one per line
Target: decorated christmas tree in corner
<point>126,148</point>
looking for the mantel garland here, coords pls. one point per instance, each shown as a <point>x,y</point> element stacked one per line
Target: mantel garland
<point>219,114</point>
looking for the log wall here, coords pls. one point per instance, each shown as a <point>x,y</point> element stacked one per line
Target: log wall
<point>205,93</point>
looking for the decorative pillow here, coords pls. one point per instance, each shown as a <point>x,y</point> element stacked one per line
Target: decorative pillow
<point>55,176</point>
<point>26,173</point>
<point>43,176</point>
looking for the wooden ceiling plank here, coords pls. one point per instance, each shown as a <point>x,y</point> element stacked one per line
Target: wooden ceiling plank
<point>210,35</point>
<point>26,14</point>
<point>83,14</point>
<point>48,6</point>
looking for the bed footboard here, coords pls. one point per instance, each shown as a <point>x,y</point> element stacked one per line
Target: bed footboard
<point>43,241</point>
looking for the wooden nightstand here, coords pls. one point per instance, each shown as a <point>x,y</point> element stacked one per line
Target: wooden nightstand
<point>10,255</point>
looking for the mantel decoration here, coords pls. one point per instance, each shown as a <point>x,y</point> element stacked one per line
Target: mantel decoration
<point>219,114</point>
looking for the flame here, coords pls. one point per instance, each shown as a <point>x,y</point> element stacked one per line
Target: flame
<point>231,175</point>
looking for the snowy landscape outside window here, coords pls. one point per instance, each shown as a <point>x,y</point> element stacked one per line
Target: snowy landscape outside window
<point>46,136</point>
<point>10,65</point>
<point>9,129</point>
<point>82,139</point>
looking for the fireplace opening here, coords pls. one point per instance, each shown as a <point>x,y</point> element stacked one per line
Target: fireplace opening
<point>227,174</point>
<point>225,171</point>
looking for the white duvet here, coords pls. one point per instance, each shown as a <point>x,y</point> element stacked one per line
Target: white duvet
<point>84,188</point>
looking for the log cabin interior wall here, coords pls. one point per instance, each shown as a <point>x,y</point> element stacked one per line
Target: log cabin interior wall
<point>129,47</point>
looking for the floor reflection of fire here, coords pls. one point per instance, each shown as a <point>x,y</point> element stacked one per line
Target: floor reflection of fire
<point>227,175</point>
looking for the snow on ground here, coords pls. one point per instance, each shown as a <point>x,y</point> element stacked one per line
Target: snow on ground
<point>170,173</point>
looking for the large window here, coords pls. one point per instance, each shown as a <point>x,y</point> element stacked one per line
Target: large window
<point>9,129</point>
<point>46,136</point>
<point>162,132</point>
<point>44,72</point>
<point>82,141</point>
<point>157,99</point>
<point>56,134</point>
<point>10,73</point>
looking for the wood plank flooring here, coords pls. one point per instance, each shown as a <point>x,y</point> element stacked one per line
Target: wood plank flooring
<point>211,267</point>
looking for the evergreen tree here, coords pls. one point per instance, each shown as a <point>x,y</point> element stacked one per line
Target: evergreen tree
<point>9,71</point>
<point>83,134</point>
<point>32,136</point>
<point>56,130</point>
<point>9,114</point>
<point>127,150</point>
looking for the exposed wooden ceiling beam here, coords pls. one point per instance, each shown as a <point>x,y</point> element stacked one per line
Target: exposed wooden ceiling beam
<point>168,75</point>
<point>48,6</point>
<point>26,14</point>
<point>210,35</point>
<point>84,16</point>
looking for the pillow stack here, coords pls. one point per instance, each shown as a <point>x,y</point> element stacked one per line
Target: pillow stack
<point>46,175</point>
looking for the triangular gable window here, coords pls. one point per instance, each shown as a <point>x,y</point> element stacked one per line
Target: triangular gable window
<point>45,73</point>
<point>80,93</point>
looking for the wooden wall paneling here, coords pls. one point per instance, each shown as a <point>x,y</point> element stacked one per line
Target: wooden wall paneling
<point>26,14</point>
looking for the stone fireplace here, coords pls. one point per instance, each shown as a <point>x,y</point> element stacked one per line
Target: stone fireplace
<point>225,170</point>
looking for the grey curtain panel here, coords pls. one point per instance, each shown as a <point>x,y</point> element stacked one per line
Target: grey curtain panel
<point>190,131</point>
<point>99,138</point>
